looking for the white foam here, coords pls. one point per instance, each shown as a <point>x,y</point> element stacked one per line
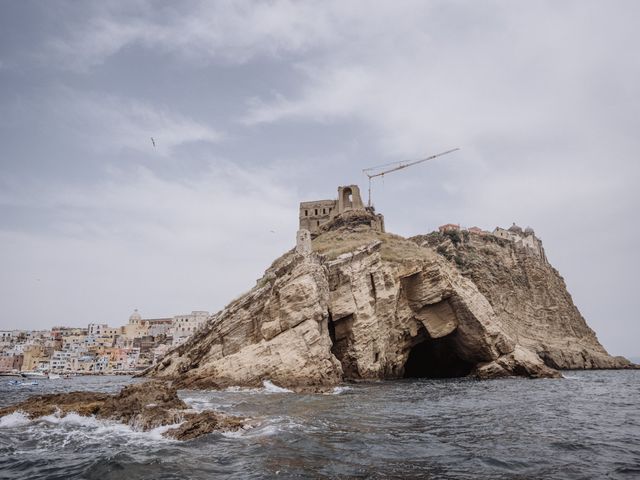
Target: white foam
<point>157,433</point>
<point>72,419</point>
<point>271,388</point>
<point>73,428</point>
<point>15,419</point>
<point>339,390</point>
<point>237,389</point>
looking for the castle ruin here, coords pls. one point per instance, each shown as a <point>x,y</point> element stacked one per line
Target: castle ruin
<point>316,213</point>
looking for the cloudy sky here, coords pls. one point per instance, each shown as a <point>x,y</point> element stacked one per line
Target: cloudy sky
<point>256,106</point>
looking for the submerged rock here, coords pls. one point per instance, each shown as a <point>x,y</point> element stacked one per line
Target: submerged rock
<point>372,305</point>
<point>143,406</point>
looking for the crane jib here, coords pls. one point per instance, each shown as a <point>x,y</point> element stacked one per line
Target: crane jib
<point>398,166</point>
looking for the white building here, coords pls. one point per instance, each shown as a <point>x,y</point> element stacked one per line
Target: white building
<point>522,238</point>
<point>63,361</point>
<point>183,326</point>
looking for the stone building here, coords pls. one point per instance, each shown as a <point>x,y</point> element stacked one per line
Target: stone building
<point>33,356</point>
<point>316,213</point>
<point>477,231</point>
<point>183,326</point>
<point>522,238</point>
<point>10,362</point>
<point>449,227</point>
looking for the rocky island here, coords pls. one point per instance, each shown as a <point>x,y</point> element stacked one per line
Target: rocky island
<point>352,302</point>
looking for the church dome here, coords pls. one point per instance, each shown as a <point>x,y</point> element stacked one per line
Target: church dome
<point>529,231</point>
<point>515,228</point>
<point>135,317</point>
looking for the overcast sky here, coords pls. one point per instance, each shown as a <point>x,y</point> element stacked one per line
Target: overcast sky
<point>256,106</point>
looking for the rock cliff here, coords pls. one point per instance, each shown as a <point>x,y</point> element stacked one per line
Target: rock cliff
<point>528,295</point>
<point>362,304</point>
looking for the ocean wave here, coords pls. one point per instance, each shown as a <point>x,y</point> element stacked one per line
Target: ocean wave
<point>341,389</point>
<point>74,427</point>
<point>238,389</point>
<point>269,387</point>
<point>15,419</point>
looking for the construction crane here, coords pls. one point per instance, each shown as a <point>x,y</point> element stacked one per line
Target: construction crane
<point>395,166</point>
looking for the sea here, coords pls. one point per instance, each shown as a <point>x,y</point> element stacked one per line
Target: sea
<point>586,425</point>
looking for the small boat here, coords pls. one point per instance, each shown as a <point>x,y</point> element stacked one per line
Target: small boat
<point>16,383</point>
<point>33,374</point>
<point>54,376</point>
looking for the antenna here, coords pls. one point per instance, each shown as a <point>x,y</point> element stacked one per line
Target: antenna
<point>372,172</point>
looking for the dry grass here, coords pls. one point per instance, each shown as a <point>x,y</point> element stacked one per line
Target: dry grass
<point>394,247</point>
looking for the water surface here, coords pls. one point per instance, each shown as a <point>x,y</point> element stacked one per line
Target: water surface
<point>584,426</point>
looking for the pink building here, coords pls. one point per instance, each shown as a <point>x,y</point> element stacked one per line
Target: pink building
<point>9,363</point>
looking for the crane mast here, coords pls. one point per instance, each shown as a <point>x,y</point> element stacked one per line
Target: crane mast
<point>395,166</point>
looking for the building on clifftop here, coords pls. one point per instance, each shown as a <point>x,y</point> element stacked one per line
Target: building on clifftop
<point>523,238</point>
<point>316,213</point>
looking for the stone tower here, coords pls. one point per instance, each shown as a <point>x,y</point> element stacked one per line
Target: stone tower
<point>316,213</point>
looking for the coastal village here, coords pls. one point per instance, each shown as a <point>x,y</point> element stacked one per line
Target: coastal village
<point>98,348</point>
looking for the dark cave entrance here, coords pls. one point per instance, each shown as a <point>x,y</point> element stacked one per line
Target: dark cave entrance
<point>436,358</point>
<point>341,335</point>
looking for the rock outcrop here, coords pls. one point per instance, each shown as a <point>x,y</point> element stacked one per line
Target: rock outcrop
<point>528,296</point>
<point>143,406</point>
<point>371,305</point>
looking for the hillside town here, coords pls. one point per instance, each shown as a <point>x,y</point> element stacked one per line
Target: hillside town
<point>97,349</point>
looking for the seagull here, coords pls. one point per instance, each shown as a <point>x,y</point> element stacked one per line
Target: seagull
<point>153,142</point>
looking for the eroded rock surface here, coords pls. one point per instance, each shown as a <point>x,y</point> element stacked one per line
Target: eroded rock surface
<point>371,305</point>
<point>143,406</point>
<point>528,296</point>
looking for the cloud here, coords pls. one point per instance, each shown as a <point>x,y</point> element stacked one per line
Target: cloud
<point>229,31</point>
<point>476,75</point>
<point>108,123</point>
<point>141,241</point>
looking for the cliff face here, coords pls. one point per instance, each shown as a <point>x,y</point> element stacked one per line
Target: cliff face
<point>361,304</point>
<point>528,296</point>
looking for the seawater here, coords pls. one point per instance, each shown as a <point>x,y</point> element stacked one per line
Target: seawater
<point>586,425</point>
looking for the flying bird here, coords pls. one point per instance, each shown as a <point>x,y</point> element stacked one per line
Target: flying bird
<point>153,142</point>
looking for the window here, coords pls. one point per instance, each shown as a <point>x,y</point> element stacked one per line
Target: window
<point>306,213</point>
<point>324,211</point>
<point>316,211</point>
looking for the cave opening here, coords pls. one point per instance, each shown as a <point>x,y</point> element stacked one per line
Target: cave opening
<point>436,358</point>
<point>332,330</point>
<point>341,335</point>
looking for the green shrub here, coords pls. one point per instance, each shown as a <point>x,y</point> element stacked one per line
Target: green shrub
<point>454,236</point>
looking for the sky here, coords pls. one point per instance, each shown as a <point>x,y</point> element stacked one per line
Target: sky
<point>256,106</point>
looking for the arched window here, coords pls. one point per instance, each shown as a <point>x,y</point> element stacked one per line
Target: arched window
<point>347,198</point>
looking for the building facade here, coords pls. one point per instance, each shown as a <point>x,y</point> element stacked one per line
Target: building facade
<point>314,214</point>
